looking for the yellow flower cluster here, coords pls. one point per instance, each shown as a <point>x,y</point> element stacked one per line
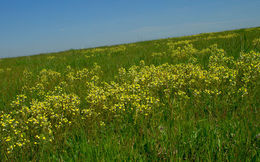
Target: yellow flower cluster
<point>51,57</point>
<point>84,74</point>
<point>58,101</point>
<point>158,54</point>
<point>116,99</point>
<point>185,50</point>
<point>48,75</point>
<point>256,42</point>
<point>38,121</point>
<point>104,51</point>
<point>232,35</point>
<point>172,45</point>
<point>200,37</point>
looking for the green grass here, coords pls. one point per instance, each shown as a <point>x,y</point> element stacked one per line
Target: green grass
<point>175,132</point>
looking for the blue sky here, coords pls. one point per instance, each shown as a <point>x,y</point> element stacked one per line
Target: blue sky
<point>37,26</point>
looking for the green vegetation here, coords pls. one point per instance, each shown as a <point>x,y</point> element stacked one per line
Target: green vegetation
<point>187,98</point>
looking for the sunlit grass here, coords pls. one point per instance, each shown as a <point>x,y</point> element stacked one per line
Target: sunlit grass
<point>187,98</point>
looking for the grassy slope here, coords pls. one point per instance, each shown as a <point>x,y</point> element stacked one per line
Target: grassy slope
<point>193,137</point>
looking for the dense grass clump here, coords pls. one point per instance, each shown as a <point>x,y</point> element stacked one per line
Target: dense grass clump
<point>188,98</point>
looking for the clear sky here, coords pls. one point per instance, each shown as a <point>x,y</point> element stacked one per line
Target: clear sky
<point>37,26</point>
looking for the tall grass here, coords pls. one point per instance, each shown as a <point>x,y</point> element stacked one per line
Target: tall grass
<point>219,126</point>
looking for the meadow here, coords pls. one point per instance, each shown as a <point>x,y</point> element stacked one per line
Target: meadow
<point>192,98</point>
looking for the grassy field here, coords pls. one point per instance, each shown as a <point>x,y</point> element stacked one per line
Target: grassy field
<point>190,98</point>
